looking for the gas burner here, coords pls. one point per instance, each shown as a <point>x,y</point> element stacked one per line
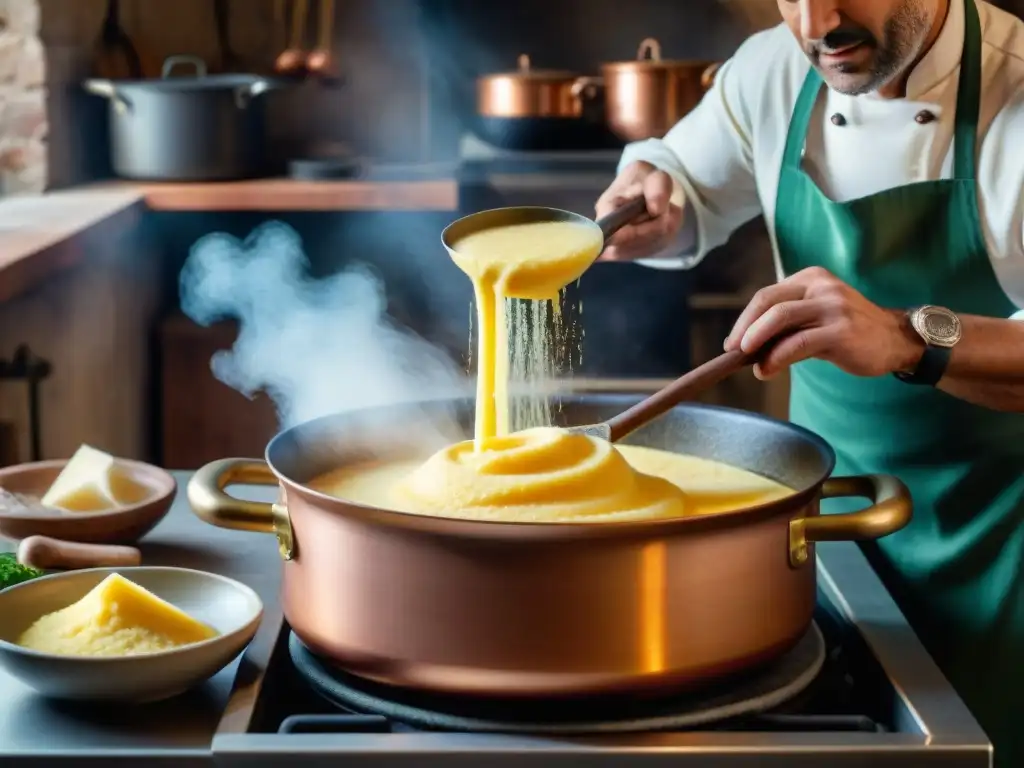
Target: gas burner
<point>754,693</point>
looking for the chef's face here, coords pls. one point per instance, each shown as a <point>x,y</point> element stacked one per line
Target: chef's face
<point>861,45</point>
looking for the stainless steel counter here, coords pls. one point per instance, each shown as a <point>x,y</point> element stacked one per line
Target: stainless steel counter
<point>186,731</point>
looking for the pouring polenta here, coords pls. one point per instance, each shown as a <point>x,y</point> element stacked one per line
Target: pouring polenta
<point>543,474</point>
<point>533,260</point>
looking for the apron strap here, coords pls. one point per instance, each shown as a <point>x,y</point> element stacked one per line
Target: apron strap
<point>968,97</point>
<point>968,104</point>
<point>801,120</point>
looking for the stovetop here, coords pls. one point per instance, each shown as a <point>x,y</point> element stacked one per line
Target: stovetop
<point>877,700</point>
<point>479,161</point>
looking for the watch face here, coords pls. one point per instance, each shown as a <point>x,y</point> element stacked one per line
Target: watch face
<point>938,326</point>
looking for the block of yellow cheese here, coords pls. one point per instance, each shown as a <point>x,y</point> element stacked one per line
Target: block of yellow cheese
<point>116,618</point>
<point>92,481</point>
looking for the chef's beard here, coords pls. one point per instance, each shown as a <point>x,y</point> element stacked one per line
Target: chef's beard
<point>904,33</point>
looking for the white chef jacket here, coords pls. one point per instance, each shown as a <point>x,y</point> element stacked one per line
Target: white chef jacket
<point>725,156</point>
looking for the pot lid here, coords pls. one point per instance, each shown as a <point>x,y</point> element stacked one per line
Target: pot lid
<point>526,71</point>
<point>196,78</point>
<point>208,83</point>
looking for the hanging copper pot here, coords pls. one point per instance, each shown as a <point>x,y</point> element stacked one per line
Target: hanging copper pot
<point>646,97</point>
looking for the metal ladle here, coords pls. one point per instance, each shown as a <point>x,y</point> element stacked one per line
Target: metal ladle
<point>319,61</point>
<point>293,61</point>
<point>497,218</point>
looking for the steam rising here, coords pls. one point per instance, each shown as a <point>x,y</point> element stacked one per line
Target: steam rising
<point>315,346</point>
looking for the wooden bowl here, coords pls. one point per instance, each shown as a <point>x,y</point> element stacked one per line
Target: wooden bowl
<point>123,525</point>
<point>228,606</point>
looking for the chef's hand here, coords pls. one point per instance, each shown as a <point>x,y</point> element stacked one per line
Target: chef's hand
<point>648,234</point>
<point>815,314</point>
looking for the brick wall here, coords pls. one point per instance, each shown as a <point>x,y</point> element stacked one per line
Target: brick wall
<point>23,120</point>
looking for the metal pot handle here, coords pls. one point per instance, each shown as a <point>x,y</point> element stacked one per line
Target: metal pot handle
<point>106,89</point>
<point>891,509</point>
<point>210,503</point>
<point>586,88</point>
<point>246,93</point>
<point>649,50</point>
<point>172,61</point>
<point>707,77</point>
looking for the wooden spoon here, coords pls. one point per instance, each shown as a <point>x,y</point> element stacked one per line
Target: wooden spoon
<point>293,61</point>
<point>686,387</point>
<point>319,61</point>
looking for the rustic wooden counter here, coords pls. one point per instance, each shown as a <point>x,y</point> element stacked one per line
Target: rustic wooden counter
<point>39,236</point>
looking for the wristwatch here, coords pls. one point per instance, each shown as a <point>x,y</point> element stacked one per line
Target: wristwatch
<point>940,330</point>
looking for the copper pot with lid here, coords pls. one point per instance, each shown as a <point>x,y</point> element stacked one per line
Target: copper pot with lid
<point>529,92</point>
<point>644,98</point>
<point>541,109</point>
<point>547,609</point>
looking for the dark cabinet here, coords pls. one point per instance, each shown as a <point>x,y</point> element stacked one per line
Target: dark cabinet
<point>202,419</point>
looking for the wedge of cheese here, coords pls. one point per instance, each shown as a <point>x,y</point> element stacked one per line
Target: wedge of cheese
<point>92,481</point>
<point>116,618</point>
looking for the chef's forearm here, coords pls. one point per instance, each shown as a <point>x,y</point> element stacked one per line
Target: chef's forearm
<point>987,365</point>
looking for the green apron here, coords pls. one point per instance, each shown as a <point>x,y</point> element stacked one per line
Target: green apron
<point>955,570</point>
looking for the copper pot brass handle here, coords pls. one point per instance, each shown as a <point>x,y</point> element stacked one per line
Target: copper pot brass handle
<point>649,50</point>
<point>890,511</point>
<point>209,501</point>
<point>586,88</point>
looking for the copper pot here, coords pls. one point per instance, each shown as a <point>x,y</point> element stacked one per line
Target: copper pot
<point>529,92</point>
<point>646,97</point>
<point>539,610</point>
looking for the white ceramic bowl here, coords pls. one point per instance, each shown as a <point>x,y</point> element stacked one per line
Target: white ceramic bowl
<point>228,606</point>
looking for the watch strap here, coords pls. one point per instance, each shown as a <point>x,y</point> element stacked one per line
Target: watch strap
<point>930,369</point>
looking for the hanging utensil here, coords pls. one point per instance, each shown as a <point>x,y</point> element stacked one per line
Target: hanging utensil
<point>293,61</point>
<point>115,56</point>
<point>319,61</point>
<point>229,60</point>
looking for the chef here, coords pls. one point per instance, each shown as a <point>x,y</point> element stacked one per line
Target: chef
<point>883,142</point>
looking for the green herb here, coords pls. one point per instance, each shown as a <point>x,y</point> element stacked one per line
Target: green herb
<point>12,572</point>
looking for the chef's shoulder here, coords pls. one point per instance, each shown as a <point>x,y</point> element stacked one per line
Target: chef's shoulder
<point>762,80</point>
<point>1003,48</point>
<point>1002,81</point>
<point>1001,156</point>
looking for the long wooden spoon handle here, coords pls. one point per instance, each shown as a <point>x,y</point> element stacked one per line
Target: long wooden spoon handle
<point>686,387</point>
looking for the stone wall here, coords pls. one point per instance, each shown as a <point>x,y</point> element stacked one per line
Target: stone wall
<point>23,121</point>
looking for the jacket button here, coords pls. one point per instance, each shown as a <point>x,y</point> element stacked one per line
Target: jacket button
<point>924,117</point>
<point>838,119</point>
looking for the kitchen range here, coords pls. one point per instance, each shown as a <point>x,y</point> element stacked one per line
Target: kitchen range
<point>869,695</point>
